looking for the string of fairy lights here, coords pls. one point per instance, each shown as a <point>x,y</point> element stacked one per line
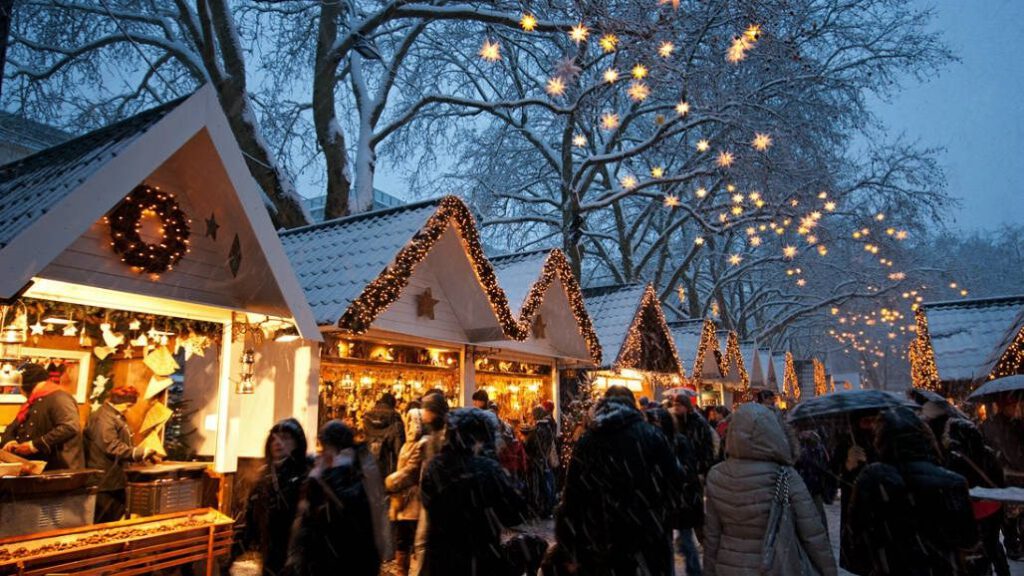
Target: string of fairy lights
<point>649,319</point>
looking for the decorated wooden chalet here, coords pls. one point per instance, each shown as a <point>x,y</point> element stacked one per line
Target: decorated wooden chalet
<point>962,344</point>
<point>408,302</point>
<point>772,380</point>
<point>751,359</point>
<point>637,347</point>
<point>142,254</point>
<point>785,371</point>
<point>717,369</point>
<point>545,298</point>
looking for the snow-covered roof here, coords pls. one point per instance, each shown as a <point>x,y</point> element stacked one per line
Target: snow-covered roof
<point>687,338</point>
<point>29,187</point>
<point>964,333</point>
<point>28,134</point>
<point>989,364</point>
<point>517,274</point>
<point>615,310</point>
<point>752,362</point>
<point>335,260</point>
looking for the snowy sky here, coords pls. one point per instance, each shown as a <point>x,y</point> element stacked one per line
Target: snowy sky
<point>974,109</point>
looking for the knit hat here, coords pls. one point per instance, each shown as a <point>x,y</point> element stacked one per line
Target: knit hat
<point>124,395</point>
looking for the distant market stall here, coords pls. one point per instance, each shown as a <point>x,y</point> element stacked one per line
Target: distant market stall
<point>964,343</point>
<point>142,255</point>
<point>718,372</point>
<point>637,345</point>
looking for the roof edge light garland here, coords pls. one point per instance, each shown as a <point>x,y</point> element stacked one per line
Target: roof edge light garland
<point>556,265</point>
<point>632,348</point>
<point>708,342</point>
<point>732,352</point>
<point>388,286</point>
<point>923,371</point>
<point>790,382</point>
<point>1012,360</point>
<point>820,383</point>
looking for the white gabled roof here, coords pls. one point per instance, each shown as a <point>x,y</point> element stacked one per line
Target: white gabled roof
<point>50,199</point>
<point>965,334</point>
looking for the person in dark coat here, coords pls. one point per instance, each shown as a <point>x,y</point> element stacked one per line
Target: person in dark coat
<point>539,446</point>
<point>47,426</point>
<point>1004,431</point>
<point>690,502</point>
<point>853,452</point>
<point>108,443</point>
<point>690,423</point>
<point>385,433</point>
<point>815,469</point>
<point>908,515</point>
<point>967,455</point>
<point>274,499</point>
<point>335,531</point>
<point>469,499</point>
<point>615,518</point>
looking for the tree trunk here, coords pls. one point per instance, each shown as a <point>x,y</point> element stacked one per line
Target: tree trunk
<point>325,117</point>
<point>286,208</point>
<point>6,15</point>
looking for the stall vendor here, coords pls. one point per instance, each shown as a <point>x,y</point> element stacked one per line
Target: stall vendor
<point>47,426</point>
<point>108,444</point>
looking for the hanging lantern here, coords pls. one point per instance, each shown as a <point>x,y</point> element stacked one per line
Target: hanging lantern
<point>247,384</point>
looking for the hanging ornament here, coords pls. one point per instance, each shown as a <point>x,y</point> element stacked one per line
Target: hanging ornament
<point>126,222</point>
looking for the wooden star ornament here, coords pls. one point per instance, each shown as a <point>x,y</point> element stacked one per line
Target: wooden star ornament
<point>212,226</point>
<point>425,303</point>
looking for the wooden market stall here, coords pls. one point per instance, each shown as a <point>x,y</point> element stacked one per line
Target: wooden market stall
<point>402,296</point>
<point>961,344</point>
<point>546,300</point>
<point>637,345</point>
<point>717,371</point>
<point>142,254</point>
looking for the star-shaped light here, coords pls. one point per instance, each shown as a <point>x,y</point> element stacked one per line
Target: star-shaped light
<point>755,241</point>
<point>657,172</point>
<point>579,33</point>
<point>801,282</point>
<point>735,259</point>
<point>490,51</point>
<point>628,181</point>
<point>737,210</point>
<point>609,121</point>
<point>611,75</point>
<point>815,215</point>
<point>812,239</point>
<point>822,195</point>
<point>639,71</point>
<point>701,192</point>
<point>37,328</point>
<point>638,91</point>
<point>699,240</point>
<point>671,201</point>
<point>70,329</point>
<point>725,159</point>
<point>556,86</point>
<point>528,22</point>
<point>579,140</point>
<point>609,42</point>
<point>666,49</point>
<point>703,145</point>
<point>761,142</point>
<point>880,216</point>
<point>751,230</point>
<point>682,108</point>
<point>737,198</point>
<point>789,252</point>
<point>567,68</point>
<point>901,234</point>
<point>752,33</point>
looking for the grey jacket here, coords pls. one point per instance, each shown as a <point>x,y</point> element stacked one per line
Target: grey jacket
<point>739,499</point>
<point>108,445</point>
<point>53,427</point>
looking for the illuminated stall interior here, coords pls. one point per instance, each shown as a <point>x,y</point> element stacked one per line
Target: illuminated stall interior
<point>548,304</point>
<point>142,254</point>
<point>402,296</point>
<point>639,351</point>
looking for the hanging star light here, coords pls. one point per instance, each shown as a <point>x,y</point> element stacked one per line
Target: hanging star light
<point>751,231</point>
<point>761,142</point>
<point>755,241</point>
<point>789,252</point>
<point>579,140</point>
<point>579,33</point>
<point>735,259</point>
<point>703,145</point>
<point>490,51</point>
<point>556,86</point>
<point>683,108</point>
<point>701,192</point>
<point>901,234</point>
<point>699,240</point>
<point>801,282</point>
<point>737,198</point>
<point>609,121</point>
<point>671,201</point>
<point>567,69</point>
<point>628,181</point>
<point>638,91</point>
<point>737,210</point>
<point>725,159</point>
<point>639,71</point>
<point>528,22</point>
<point>657,172</point>
<point>609,42</point>
<point>611,75</point>
<point>666,49</point>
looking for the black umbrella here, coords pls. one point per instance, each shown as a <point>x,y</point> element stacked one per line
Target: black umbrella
<point>836,404</point>
<point>923,396</point>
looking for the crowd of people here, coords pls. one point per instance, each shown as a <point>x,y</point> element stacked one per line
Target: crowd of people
<point>437,491</point>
